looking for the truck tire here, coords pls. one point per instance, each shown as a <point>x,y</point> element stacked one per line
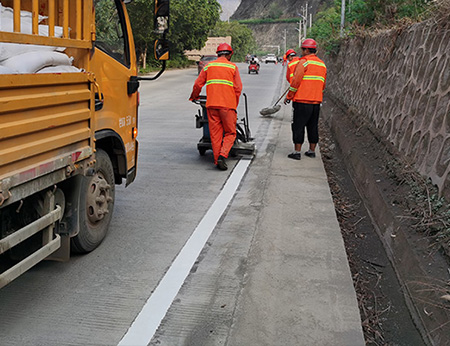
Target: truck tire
<point>96,205</point>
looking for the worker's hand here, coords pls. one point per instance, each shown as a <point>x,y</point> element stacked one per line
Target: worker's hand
<point>286,101</point>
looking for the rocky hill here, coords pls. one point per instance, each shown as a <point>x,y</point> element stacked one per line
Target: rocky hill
<point>289,8</point>
<point>276,35</point>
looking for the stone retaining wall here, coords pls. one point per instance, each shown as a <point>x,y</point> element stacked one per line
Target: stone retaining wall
<point>399,80</point>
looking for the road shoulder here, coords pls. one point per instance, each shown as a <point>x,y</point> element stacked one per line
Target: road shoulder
<point>298,288</point>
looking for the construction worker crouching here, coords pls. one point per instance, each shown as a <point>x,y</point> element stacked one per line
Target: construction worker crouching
<point>306,91</point>
<point>223,89</point>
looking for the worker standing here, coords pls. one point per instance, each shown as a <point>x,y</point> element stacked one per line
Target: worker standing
<point>293,59</point>
<point>306,92</point>
<point>223,89</point>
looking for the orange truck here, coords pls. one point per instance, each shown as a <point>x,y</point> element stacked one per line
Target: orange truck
<point>67,131</point>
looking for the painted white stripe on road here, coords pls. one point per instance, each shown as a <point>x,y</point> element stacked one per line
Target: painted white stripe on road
<point>148,320</point>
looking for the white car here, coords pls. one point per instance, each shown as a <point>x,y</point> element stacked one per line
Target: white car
<point>271,58</point>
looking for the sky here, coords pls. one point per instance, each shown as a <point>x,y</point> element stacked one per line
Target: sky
<point>228,7</point>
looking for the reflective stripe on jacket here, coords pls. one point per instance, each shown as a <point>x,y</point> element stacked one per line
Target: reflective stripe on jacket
<point>309,80</point>
<point>291,67</point>
<point>223,84</point>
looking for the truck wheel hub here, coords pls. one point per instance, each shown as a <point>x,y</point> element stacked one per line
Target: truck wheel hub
<point>98,199</point>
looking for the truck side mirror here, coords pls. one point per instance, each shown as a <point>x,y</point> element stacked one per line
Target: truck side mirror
<point>161,24</point>
<point>162,49</point>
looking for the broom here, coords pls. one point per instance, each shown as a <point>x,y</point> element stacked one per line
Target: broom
<point>275,108</point>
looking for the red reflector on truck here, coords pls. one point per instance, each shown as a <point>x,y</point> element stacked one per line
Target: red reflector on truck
<point>75,156</point>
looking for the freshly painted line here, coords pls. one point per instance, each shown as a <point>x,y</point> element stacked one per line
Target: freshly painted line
<point>147,322</point>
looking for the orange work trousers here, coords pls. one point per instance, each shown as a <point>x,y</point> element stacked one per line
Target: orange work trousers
<point>222,130</point>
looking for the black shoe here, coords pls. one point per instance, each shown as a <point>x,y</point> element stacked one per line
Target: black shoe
<point>221,164</point>
<point>295,156</point>
<point>310,153</point>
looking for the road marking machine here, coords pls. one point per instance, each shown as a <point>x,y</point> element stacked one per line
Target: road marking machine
<point>243,145</point>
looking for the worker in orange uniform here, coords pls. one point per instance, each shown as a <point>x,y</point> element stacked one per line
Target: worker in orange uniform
<point>293,59</point>
<point>223,89</point>
<point>306,92</point>
<point>284,60</point>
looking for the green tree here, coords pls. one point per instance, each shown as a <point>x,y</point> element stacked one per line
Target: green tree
<point>106,21</point>
<point>326,29</point>
<point>242,39</point>
<point>141,17</point>
<point>363,13</point>
<point>382,12</point>
<point>190,22</point>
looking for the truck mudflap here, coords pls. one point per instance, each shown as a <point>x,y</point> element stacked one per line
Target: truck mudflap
<point>132,172</point>
<point>51,242</point>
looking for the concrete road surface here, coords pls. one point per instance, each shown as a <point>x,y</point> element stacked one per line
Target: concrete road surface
<point>271,266</point>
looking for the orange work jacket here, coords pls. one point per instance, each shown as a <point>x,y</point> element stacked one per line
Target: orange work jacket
<point>223,84</point>
<point>309,80</point>
<point>291,67</point>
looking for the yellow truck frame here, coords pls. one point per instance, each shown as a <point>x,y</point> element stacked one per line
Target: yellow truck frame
<point>66,139</point>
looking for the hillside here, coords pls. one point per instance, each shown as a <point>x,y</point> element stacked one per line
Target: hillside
<point>289,8</point>
<point>282,35</point>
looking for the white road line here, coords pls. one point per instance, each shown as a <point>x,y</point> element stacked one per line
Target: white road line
<point>147,322</point>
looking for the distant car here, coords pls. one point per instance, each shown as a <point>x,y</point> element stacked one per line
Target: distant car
<point>271,58</point>
<point>205,59</point>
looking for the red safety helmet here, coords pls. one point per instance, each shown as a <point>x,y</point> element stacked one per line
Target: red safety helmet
<point>309,43</point>
<point>224,47</point>
<point>290,51</point>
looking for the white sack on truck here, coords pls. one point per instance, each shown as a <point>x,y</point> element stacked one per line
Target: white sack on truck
<point>28,58</point>
<point>8,50</point>
<point>32,62</point>
<point>59,69</point>
<point>6,70</point>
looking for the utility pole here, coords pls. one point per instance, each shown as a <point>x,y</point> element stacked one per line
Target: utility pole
<point>303,25</point>
<point>342,17</point>
<point>306,19</point>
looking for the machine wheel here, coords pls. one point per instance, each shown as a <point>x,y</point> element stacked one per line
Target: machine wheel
<point>202,151</point>
<point>96,205</point>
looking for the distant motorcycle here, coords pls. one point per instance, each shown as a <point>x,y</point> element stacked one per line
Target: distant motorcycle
<point>253,67</point>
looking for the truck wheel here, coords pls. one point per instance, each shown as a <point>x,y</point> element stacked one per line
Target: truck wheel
<point>96,205</point>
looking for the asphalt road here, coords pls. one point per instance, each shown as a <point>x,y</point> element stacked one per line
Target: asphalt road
<point>94,299</point>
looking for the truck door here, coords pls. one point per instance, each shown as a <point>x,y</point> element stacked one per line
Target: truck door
<point>113,63</point>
